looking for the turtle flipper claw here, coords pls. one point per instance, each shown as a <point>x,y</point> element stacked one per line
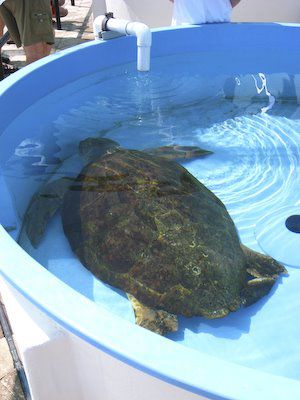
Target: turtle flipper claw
<point>256,288</point>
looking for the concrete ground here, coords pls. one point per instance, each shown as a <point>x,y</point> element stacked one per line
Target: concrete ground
<point>76,29</point>
<point>10,386</point>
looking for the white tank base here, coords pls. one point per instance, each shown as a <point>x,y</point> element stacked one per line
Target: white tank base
<point>61,366</point>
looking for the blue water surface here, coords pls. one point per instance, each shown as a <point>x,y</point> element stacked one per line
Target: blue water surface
<point>250,122</point>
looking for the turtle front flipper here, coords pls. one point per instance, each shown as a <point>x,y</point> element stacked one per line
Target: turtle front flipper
<point>157,321</point>
<point>174,152</point>
<point>42,208</point>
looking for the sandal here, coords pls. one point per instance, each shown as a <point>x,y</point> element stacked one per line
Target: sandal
<point>9,69</point>
<point>5,59</point>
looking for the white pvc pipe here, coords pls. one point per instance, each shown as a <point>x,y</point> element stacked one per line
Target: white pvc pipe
<point>97,26</point>
<point>124,27</point>
<point>144,40</point>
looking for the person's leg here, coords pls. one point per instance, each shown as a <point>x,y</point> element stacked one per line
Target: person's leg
<point>38,39</point>
<point>6,68</point>
<point>37,51</point>
<point>2,25</point>
<point>62,10</point>
<point>34,22</point>
<point>3,57</point>
<point>1,65</point>
<point>9,20</point>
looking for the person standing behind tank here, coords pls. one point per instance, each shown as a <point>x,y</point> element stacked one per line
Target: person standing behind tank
<point>29,23</point>
<point>189,12</point>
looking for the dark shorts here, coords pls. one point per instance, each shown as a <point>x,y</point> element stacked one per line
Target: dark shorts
<point>28,21</point>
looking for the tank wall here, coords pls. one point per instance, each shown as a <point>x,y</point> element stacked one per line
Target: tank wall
<point>85,362</point>
<point>117,378</point>
<point>61,366</point>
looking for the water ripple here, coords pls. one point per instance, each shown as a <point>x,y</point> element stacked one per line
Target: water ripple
<point>255,168</point>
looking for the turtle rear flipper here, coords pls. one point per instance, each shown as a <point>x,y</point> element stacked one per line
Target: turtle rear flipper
<point>264,270</point>
<point>259,265</point>
<point>42,208</point>
<point>158,321</point>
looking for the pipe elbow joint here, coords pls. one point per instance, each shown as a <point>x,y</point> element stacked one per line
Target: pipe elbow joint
<point>142,33</point>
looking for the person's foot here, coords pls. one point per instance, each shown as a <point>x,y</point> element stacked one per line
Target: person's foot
<point>63,12</point>
<point>5,59</point>
<point>9,69</point>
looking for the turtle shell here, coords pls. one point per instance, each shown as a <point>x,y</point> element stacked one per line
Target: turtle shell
<point>146,225</point>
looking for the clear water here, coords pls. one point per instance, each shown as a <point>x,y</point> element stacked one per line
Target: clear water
<point>254,170</point>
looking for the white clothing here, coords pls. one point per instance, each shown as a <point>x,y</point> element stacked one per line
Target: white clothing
<point>189,12</point>
<point>1,1</point>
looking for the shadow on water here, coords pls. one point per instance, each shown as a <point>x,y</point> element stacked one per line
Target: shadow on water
<point>56,255</point>
<point>110,298</point>
<point>85,283</point>
<point>233,326</point>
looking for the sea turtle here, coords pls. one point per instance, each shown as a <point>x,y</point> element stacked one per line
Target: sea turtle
<point>141,222</point>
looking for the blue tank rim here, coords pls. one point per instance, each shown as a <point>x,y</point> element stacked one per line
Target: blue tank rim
<point>189,369</point>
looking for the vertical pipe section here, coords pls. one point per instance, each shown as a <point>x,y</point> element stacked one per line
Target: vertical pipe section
<point>144,41</point>
<point>124,27</point>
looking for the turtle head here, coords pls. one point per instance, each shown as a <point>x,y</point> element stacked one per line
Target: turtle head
<point>92,148</point>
